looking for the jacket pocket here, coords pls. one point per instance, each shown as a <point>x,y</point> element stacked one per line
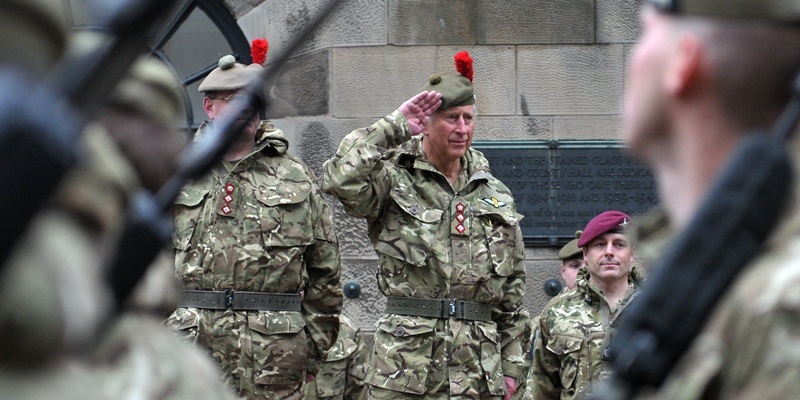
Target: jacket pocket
<point>189,205</point>
<point>500,226</point>
<point>278,349</point>
<point>568,350</point>
<point>409,229</point>
<point>403,352</point>
<point>285,218</point>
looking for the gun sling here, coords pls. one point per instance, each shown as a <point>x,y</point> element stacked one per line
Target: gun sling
<point>439,308</point>
<point>239,300</point>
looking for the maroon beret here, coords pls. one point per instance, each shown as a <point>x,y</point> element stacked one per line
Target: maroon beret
<point>607,221</point>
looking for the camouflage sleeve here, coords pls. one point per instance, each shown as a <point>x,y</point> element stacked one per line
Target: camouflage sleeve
<point>511,323</point>
<point>544,379</point>
<point>356,175</point>
<point>356,387</point>
<point>322,299</point>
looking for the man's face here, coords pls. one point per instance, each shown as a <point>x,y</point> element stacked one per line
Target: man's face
<point>569,271</point>
<point>217,102</point>
<point>449,133</point>
<point>609,257</point>
<point>644,116</point>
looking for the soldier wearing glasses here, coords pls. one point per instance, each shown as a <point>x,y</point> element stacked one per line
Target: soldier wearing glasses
<point>256,256</point>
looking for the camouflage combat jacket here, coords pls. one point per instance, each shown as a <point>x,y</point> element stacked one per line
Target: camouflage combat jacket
<point>435,241</point>
<point>748,348</point>
<point>573,333</point>
<point>260,225</point>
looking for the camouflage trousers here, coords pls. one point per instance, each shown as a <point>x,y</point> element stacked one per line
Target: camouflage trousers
<point>429,358</point>
<point>262,354</point>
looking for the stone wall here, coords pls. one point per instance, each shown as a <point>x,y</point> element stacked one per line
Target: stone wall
<point>544,69</point>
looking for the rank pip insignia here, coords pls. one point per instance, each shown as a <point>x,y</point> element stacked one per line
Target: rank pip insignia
<point>459,224</point>
<point>494,202</point>
<point>227,199</point>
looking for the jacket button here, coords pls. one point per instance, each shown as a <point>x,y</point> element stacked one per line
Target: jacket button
<point>413,210</point>
<point>400,331</point>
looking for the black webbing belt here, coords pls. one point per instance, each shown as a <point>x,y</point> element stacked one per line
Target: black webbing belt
<point>439,308</point>
<point>238,300</point>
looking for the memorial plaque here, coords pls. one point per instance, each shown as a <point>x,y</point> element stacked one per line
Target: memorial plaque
<point>560,185</point>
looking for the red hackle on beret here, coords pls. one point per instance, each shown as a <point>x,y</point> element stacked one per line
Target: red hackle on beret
<point>605,222</point>
<point>464,64</point>
<point>258,51</point>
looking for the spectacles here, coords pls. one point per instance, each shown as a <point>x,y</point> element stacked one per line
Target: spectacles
<point>234,98</point>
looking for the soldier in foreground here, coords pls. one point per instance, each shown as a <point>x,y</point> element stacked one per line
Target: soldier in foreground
<point>575,327</point>
<point>449,243</point>
<point>705,78</point>
<point>59,338</point>
<point>256,255</point>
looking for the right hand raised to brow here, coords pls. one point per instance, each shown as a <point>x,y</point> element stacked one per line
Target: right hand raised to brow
<point>418,108</point>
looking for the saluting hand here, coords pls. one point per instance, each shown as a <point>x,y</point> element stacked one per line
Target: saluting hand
<point>418,108</point>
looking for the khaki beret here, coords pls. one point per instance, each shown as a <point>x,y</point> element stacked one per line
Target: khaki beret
<point>774,10</point>
<point>229,75</point>
<point>152,89</point>
<point>571,249</point>
<point>32,33</point>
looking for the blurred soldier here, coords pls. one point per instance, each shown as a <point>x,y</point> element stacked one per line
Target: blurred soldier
<point>574,326</point>
<point>54,314</point>
<point>341,375</point>
<point>450,247</point>
<point>572,261</point>
<point>52,286</point>
<point>256,256</point>
<point>705,76</point>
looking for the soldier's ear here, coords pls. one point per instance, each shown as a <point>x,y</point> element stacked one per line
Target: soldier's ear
<point>208,107</point>
<point>685,68</point>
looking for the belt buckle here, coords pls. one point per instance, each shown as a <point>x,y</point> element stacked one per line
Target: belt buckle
<point>450,308</point>
<point>228,298</point>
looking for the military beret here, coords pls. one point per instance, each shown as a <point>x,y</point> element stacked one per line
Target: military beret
<point>152,89</point>
<point>33,33</point>
<point>229,75</point>
<point>571,249</point>
<point>776,10</point>
<point>605,222</point>
<point>456,90</point>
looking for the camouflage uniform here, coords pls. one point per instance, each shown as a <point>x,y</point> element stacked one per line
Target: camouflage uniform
<point>380,173</point>
<point>341,376</point>
<point>274,234</point>
<point>748,347</point>
<point>573,333</point>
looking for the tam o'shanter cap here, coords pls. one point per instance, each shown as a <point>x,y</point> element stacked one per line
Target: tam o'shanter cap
<point>456,90</point>
<point>231,75</point>
<point>605,222</point>
<point>571,249</point>
<point>775,10</point>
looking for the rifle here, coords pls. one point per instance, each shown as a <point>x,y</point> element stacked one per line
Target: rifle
<point>728,230</point>
<point>46,149</point>
<point>148,225</point>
